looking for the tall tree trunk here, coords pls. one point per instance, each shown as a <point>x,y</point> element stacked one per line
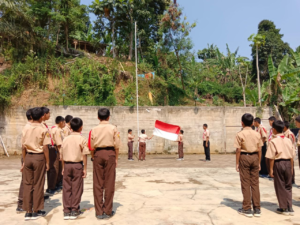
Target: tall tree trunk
<point>131,40</point>
<point>57,35</point>
<point>180,69</point>
<point>67,37</point>
<point>244,97</point>
<point>113,39</point>
<point>258,79</point>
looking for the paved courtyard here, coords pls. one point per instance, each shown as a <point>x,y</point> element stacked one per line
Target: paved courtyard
<point>160,191</point>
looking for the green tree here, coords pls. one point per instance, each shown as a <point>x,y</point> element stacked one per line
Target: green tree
<point>243,64</point>
<point>208,53</point>
<point>258,41</point>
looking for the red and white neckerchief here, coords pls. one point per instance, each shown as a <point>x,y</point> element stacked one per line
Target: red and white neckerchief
<point>49,134</point>
<point>293,137</point>
<point>271,133</point>
<point>282,136</point>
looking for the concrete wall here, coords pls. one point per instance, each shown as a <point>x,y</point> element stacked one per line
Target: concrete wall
<point>223,123</point>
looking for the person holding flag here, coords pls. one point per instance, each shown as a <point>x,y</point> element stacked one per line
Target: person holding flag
<point>142,145</point>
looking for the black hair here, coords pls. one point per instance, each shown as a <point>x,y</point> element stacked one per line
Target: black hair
<point>103,113</point>
<point>45,110</point>
<point>37,113</point>
<point>68,118</point>
<point>247,119</point>
<point>287,124</point>
<point>278,126</point>
<point>143,131</point>
<point>298,119</point>
<point>272,118</point>
<point>205,125</point>
<point>129,130</point>
<point>59,119</point>
<point>76,123</point>
<point>28,114</point>
<point>258,120</point>
<point>181,131</point>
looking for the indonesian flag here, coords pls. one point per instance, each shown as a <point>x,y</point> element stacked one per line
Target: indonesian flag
<point>165,130</point>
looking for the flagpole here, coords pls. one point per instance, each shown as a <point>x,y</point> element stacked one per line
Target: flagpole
<point>137,89</point>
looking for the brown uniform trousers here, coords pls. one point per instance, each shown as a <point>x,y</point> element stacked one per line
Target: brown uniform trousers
<point>249,175</point>
<point>52,173</point>
<point>142,150</point>
<point>104,177</point>
<point>59,175</point>
<point>72,186</point>
<point>130,149</point>
<point>283,182</point>
<point>34,181</point>
<point>180,150</point>
<point>21,190</point>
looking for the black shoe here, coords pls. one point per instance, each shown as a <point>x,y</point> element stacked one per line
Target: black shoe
<point>67,216</point>
<point>46,197</point>
<point>247,213</point>
<point>51,192</point>
<point>291,211</point>
<point>20,210</point>
<point>256,212</point>
<point>28,216</point>
<point>282,211</point>
<point>100,217</point>
<point>74,215</point>
<point>109,216</point>
<point>38,214</point>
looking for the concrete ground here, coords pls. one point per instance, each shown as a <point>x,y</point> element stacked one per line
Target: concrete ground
<point>160,191</point>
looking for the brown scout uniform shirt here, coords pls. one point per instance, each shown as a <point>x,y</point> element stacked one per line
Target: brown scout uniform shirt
<point>298,141</point>
<point>289,134</point>
<point>130,138</point>
<point>180,138</point>
<point>262,131</point>
<point>143,138</point>
<point>25,128</point>
<point>35,137</point>
<point>248,140</point>
<point>73,148</point>
<point>67,130</point>
<point>280,147</point>
<point>104,135</point>
<point>57,135</point>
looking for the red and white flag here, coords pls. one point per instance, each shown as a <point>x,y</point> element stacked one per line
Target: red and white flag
<point>165,130</point>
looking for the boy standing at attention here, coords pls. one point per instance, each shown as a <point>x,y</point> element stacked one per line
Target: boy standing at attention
<point>206,143</point>
<point>180,145</point>
<point>263,134</point>
<point>142,145</point>
<point>20,198</point>
<point>298,137</point>
<point>67,129</point>
<point>290,135</point>
<point>248,145</point>
<point>58,136</point>
<point>281,154</point>
<point>104,142</point>
<point>130,145</point>
<point>74,153</point>
<point>35,141</point>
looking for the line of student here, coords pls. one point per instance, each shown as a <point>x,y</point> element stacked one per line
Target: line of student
<point>278,161</point>
<point>44,149</point>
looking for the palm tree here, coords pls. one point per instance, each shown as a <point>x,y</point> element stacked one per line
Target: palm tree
<point>242,62</point>
<point>258,40</point>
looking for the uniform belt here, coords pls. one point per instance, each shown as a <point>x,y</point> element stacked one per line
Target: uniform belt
<point>73,162</point>
<point>249,153</point>
<point>105,148</point>
<point>279,160</point>
<point>31,153</point>
<point>51,146</point>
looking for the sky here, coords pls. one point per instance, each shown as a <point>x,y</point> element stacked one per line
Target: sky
<point>233,21</point>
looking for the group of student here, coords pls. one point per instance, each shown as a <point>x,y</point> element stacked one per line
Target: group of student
<point>142,144</point>
<point>272,155</point>
<point>62,152</point>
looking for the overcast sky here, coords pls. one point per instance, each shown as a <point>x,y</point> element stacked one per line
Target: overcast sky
<point>233,21</point>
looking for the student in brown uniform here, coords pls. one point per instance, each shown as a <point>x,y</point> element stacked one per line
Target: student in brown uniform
<point>298,137</point>
<point>263,134</point>
<point>180,146</point>
<point>20,197</point>
<point>58,136</point>
<point>281,154</point>
<point>104,142</point>
<point>130,145</point>
<point>36,160</point>
<point>74,153</point>
<point>67,129</point>
<point>290,135</point>
<point>142,145</point>
<point>272,119</point>
<point>248,145</point>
